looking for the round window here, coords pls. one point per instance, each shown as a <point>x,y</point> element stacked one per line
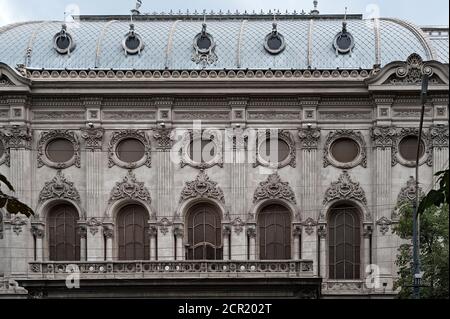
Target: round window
<point>132,42</point>
<point>345,150</point>
<point>63,42</point>
<point>274,150</point>
<point>202,151</point>
<point>408,148</point>
<point>60,150</point>
<point>203,42</point>
<point>130,150</point>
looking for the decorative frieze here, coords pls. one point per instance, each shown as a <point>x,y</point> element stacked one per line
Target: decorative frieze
<point>274,188</point>
<point>383,136</point>
<point>58,115</point>
<point>274,115</point>
<point>59,187</point>
<point>129,116</point>
<point>117,137</point>
<point>130,188</point>
<point>345,188</point>
<point>309,138</point>
<point>202,186</point>
<point>345,115</point>
<point>209,115</point>
<point>18,137</point>
<point>93,137</point>
<point>357,137</point>
<point>49,136</point>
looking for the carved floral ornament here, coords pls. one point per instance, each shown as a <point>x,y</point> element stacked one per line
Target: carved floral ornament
<point>274,188</point>
<point>357,137</point>
<point>428,152</point>
<point>18,137</point>
<point>309,225</point>
<point>204,48</point>
<point>121,135</point>
<point>439,135</point>
<point>407,196</point>
<point>196,136</point>
<point>93,138</point>
<point>17,223</point>
<point>130,188</point>
<point>202,187</point>
<point>59,187</point>
<point>4,157</point>
<point>164,138</point>
<point>384,136</point>
<point>384,225</point>
<point>276,135</point>
<point>49,136</point>
<point>412,71</point>
<point>309,138</point>
<point>344,189</point>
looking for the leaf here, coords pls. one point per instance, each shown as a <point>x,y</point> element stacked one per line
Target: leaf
<point>14,206</point>
<point>6,182</point>
<point>3,201</point>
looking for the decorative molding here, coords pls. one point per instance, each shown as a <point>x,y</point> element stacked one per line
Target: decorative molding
<point>439,135</point>
<point>37,231</point>
<point>117,137</point>
<point>5,157</point>
<point>214,136</point>
<point>93,137</point>
<point>93,224</point>
<point>309,138</point>
<point>238,225</point>
<point>18,137</point>
<point>17,223</point>
<point>345,188</point>
<point>383,136</point>
<point>275,115</point>
<point>5,81</point>
<point>164,138</point>
<point>384,224</point>
<point>322,232</point>
<point>178,232</point>
<point>283,135</point>
<point>408,193</point>
<point>108,231</point>
<point>164,225</point>
<point>82,231</point>
<point>428,152</point>
<point>274,188</point>
<point>128,115</point>
<point>130,188</point>
<point>49,136</point>
<point>309,225</point>
<point>56,115</point>
<point>209,115</point>
<point>152,231</point>
<point>59,187</point>
<point>251,232</point>
<point>345,115</point>
<point>361,159</point>
<point>412,71</point>
<point>203,187</point>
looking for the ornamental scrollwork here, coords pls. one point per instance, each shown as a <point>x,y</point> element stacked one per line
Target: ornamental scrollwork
<point>357,137</point>
<point>238,225</point>
<point>384,224</point>
<point>194,138</point>
<point>17,223</point>
<point>309,138</point>
<point>93,224</point>
<point>164,225</point>
<point>383,136</point>
<point>412,72</point>
<point>407,196</point>
<point>274,188</point>
<point>428,152</point>
<point>4,158</point>
<point>59,187</point>
<point>18,137</point>
<point>130,188</point>
<point>345,188</point>
<point>439,135</point>
<point>202,186</point>
<point>282,135</point>
<point>47,137</point>
<point>121,135</point>
<point>93,138</point>
<point>164,138</point>
<point>309,225</point>
<point>204,55</point>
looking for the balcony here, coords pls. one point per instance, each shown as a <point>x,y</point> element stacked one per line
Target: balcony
<point>173,269</point>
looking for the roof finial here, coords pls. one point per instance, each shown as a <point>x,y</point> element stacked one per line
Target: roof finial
<point>136,11</point>
<point>344,23</point>
<point>315,11</point>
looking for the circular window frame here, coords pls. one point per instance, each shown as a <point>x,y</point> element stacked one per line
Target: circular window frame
<point>286,137</point>
<point>361,158</point>
<point>204,51</point>
<point>48,137</point>
<point>64,33</point>
<point>274,34</point>
<point>207,135</point>
<point>130,34</point>
<point>339,49</point>
<point>403,161</point>
<point>119,136</point>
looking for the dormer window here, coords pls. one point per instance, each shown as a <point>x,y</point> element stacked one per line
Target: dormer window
<point>204,46</point>
<point>274,42</point>
<point>132,43</point>
<point>343,41</point>
<point>63,42</point>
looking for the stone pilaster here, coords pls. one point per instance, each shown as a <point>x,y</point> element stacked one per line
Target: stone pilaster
<point>439,135</point>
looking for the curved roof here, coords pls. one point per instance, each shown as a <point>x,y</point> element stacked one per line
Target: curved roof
<point>239,44</point>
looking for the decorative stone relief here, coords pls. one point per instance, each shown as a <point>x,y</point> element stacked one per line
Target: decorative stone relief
<point>5,81</point>
<point>345,115</point>
<point>54,115</point>
<point>408,193</point>
<point>309,138</point>
<point>361,159</point>
<point>93,138</point>
<point>281,135</point>
<point>130,188</point>
<point>37,231</point>
<point>4,159</point>
<point>152,231</point>
<point>383,136</point>
<point>201,55</point>
<point>322,232</point>
<point>412,71</point>
<point>117,137</point>
<point>428,154</point>
<point>164,225</point>
<point>178,232</point>
<point>213,136</point>
<point>345,188</point>
<point>49,136</point>
<point>18,137</point>
<point>367,231</point>
<point>238,225</point>
<point>202,186</point>
<point>384,224</point>
<point>309,225</point>
<point>251,232</point>
<point>439,135</point>
<point>93,224</point>
<point>108,231</point>
<point>128,116</point>
<point>274,188</point>
<point>82,231</point>
<point>226,230</point>
<point>164,138</point>
<point>17,223</point>
<point>297,231</point>
<point>59,187</point>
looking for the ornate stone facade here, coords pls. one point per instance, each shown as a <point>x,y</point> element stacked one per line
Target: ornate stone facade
<point>46,137</point>
<point>274,188</point>
<point>202,186</point>
<point>130,188</point>
<point>344,189</point>
<point>59,187</point>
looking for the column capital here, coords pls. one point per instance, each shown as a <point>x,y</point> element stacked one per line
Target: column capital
<point>383,136</point>
<point>309,138</point>
<point>19,137</point>
<point>93,137</point>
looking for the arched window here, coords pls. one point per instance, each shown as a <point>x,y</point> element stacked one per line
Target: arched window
<point>64,241</point>
<point>133,237</point>
<point>204,233</point>
<point>344,243</point>
<point>274,229</point>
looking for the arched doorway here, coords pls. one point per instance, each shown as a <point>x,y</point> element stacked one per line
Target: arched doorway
<point>132,233</point>
<point>204,230</point>
<point>344,238</point>
<point>274,229</point>
<point>63,238</point>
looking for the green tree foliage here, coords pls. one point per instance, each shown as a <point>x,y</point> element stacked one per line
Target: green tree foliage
<point>434,244</point>
<point>12,204</point>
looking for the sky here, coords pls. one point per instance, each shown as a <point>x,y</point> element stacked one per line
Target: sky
<point>430,12</point>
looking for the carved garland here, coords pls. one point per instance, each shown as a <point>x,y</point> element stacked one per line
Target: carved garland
<point>274,188</point>
<point>4,158</point>
<point>117,137</point>
<point>59,187</point>
<point>211,135</point>
<point>281,135</point>
<point>345,188</point>
<point>49,136</point>
<point>202,186</point>
<point>428,154</point>
<point>361,159</point>
<point>130,188</point>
